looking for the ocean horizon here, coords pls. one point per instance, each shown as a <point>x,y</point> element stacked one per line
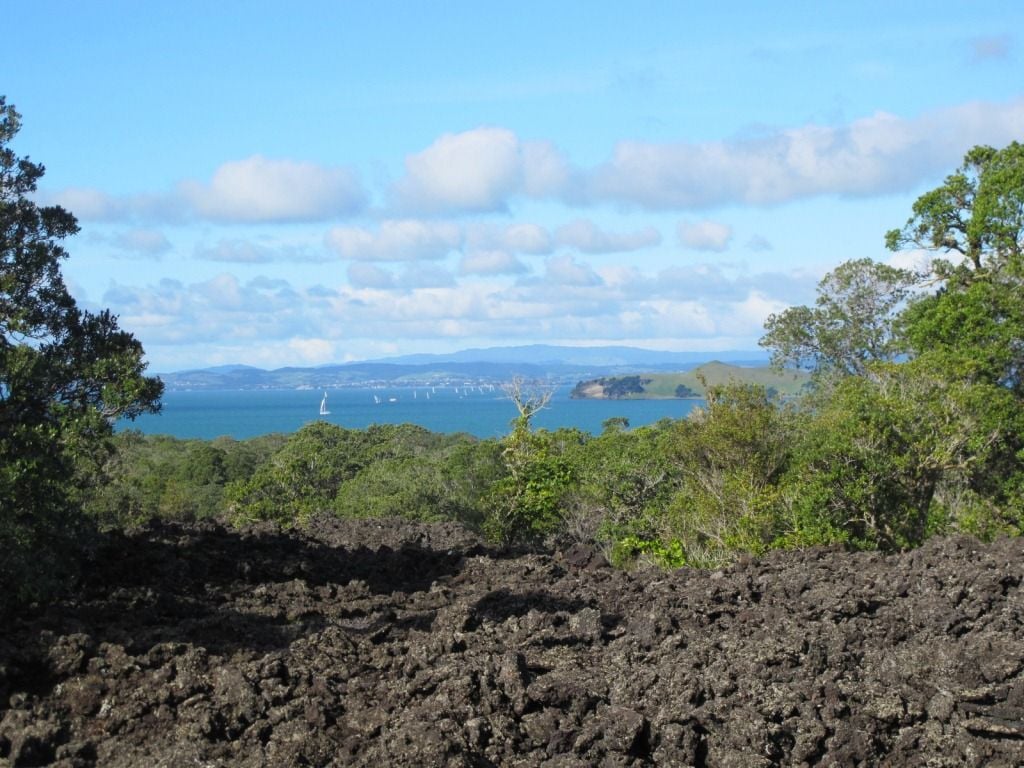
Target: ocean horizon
<point>485,412</point>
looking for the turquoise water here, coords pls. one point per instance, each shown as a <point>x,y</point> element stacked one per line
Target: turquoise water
<point>481,412</point>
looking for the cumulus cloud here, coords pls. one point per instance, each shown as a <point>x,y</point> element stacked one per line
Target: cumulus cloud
<point>565,270</point>
<point>396,240</point>
<point>241,251</point>
<point>143,242</point>
<point>95,205</point>
<point>425,276</point>
<point>485,169</point>
<point>701,306</point>
<point>519,238</point>
<point>264,189</point>
<point>491,263</point>
<point>89,204</point>
<point>364,275</point>
<point>585,236</point>
<point>705,235</point>
<point>235,251</point>
<point>478,171</point>
<point>527,238</point>
<point>879,154</point>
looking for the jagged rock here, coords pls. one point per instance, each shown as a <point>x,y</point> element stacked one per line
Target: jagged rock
<point>373,643</point>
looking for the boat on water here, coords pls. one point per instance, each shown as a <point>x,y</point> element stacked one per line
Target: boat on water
<point>323,406</point>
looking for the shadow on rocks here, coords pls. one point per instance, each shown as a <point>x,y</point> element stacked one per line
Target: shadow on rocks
<point>227,590</point>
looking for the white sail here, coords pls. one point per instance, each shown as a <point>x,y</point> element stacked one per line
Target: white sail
<point>323,406</point>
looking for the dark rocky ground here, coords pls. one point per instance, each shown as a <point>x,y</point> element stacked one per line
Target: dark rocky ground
<point>390,644</point>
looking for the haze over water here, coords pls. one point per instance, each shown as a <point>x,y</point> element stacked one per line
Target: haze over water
<point>484,413</point>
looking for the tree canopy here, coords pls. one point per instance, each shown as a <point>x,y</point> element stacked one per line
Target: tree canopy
<point>65,374</point>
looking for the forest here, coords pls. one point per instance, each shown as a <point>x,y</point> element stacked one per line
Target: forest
<point>912,425</point>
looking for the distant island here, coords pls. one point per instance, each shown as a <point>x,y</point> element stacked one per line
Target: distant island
<point>490,366</point>
<point>688,384</point>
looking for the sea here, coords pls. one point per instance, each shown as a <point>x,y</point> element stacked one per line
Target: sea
<point>484,412</point>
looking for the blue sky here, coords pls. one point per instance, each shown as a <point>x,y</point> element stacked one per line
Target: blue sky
<point>297,184</point>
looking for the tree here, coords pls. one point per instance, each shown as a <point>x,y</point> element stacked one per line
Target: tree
<point>65,376</point>
<point>526,503</point>
<point>975,320</point>
<point>731,457</point>
<point>850,326</point>
<point>978,213</point>
<point>924,429</point>
<point>970,330</point>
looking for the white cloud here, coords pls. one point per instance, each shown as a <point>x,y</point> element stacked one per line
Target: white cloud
<point>425,276</point>
<point>261,251</point>
<point>879,154</point>
<point>705,235</point>
<point>527,238</point>
<point>486,169</point>
<point>491,263</point>
<point>312,351</point>
<point>250,319</point>
<point>96,205</point>
<point>545,171</point>
<point>235,251</point>
<point>477,171</point>
<point>396,240</point>
<point>364,275</point>
<point>90,204</point>
<point>565,270</point>
<point>914,259</point>
<point>585,236</point>
<point>145,242</point>
<point>263,189</point>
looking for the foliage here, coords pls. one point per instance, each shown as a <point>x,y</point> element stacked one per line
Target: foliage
<point>156,476</point>
<point>624,480</point>
<point>446,483</point>
<point>305,477</point>
<point>978,213</point>
<point>851,325</point>
<point>525,504</point>
<point>732,456</point>
<point>913,425</point>
<point>920,429</point>
<point>65,375</point>
<point>628,549</point>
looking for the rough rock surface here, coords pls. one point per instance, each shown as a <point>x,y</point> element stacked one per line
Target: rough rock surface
<point>389,644</point>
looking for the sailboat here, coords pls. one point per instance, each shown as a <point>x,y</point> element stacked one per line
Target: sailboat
<point>323,406</point>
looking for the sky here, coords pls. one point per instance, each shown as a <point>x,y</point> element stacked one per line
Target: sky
<point>306,183</point>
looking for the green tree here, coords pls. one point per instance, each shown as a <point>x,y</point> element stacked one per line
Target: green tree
<point>977,214</point>
<point>923,428</point>
<point>65,376</point>
<point>526,504</point>
<point>625,479</point>
<point>732,456</point>
<point>320,469</point>
<point>850,326</point>
<point>303,478</point>
<point>969,331</point>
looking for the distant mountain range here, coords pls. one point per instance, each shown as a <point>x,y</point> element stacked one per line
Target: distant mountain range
<point>492,365</point>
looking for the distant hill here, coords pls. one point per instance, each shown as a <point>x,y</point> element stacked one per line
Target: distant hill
<point>477,366</point>
<point>604,356</point>
<point>649,386</point>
